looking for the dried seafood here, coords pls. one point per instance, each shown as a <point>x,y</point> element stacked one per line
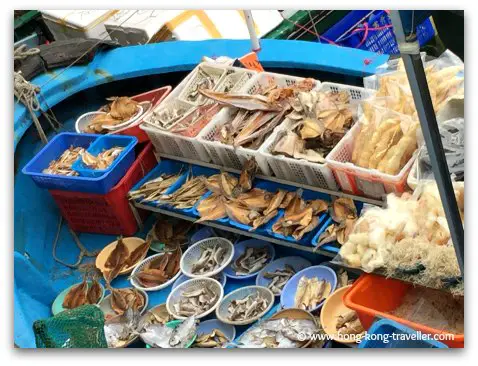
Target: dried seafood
<point>94,293</point>
<point>138,253</point>
<point>77,296</point>
<point>62,165</point>
<point>168,117</point>
<point>246,308</point>
<point>103,160</point>
<point>206,81</point>
<point>251,261</point>
<point>125,298</point>
<point>300,217</point>
<point>317,123</point>
<point>171,234</point>
<point>209,260</point>
<point>211,208</point>
<point>214,339</point>
<point>195,302</point>
<point>121,329</point>
<point>162,336</point>
<point>152,190</point>
<point>159,270</point>
<point>310,292</point>
<point>159,315</point>
<point>279,333</point>
<point>188,194</point>
<point>120,110</point>
<point>348,324</point>
<point>248,174</point>
<point>116,260</point>
<point>279,278</point>
<point>344,214</point>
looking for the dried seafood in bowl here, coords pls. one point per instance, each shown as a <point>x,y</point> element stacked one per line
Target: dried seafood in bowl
<point>103,160</point>
<point>344,214</point>
<point>125,298</point>
<point>310,292</point>
<point>196,302</point>
<point>349,323</point>
<point>116,261</point>
<point>62,165</point>
<point>209,260</point>
<point>300,217</point>
<point>121,109</point>
<point>317,123</point>
<point>247,308</point>
<point>121,330</point>
<point>172,233</point>
<point>157,315</point>
<point>251,261</point>
<point>279,278</point>
<point>187,195</point>
<point>152,190</point>
<point>77,295</point>
<point>163,336</point>
<point>159,270</point>
<point>214,339</point>
<point>279,333</point>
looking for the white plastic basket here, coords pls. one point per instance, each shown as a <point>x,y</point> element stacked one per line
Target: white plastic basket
<point>190,285</point>
<point>191,256</point>
<point>217,72</point>
<point>301,170</point>
<point>361,181</point>
<point>234,80</point>
<point>140,267</point>
<point>227,155</point>
<point>223,314</point>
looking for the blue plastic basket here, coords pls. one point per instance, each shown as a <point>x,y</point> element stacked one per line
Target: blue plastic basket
<point>333,247</point>
<point>52,151</point>
<point>164,167</point>
<point>381,330</point>
<point>382,40</point>
<point>119,166</point>
<point>240,248</point>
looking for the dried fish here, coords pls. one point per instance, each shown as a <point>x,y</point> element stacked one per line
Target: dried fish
<point>251,261</point>
<point>121,329</point>
<point>62,165</point>
<point>116,261</point>
<point>77,296</point>
<point>123,299</point>
<point>152,190</point>
<point>103,160</point>
<point>214,339</point>
<point>171,233</point>
<point>279,278</point>
<point>310,292</point>
<point>349,323</point>
<point>187,195</point>
<point>209,260</point>
<point>159,270</point>
<point>195,302</point>
<point>138,253</point>
<point>248,174</point>
<point>247,308</point>
<point>279,333</point>
<point>120,110</point>
<point>162,336</point>
<point>243,101</point>
<point>94,292</point>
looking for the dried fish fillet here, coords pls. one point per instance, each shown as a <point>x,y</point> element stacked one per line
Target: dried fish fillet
<point>152,190</point>
<point>310,292</point>
<point>77,296</point>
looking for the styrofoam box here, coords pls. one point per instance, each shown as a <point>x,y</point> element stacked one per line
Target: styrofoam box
<point>301,170</point>
<point>138,26</point>
<point>227,155</point>
<point>68,24</point>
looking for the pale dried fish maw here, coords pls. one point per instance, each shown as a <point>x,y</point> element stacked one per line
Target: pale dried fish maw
<point>388,139</point>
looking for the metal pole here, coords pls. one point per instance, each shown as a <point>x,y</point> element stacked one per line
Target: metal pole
<point>410,53</point>
<point>252,33</point>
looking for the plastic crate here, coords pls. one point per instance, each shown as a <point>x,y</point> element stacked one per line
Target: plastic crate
<point>106,213</point>
<point>53,151</point>
<point>154,97</point>
<point>303,171</point>
<point>119,166</point>
<point>361,181</point>
<point>382,40</point>
<point>217,72</point>
<point>374,296</point>
<point>381,333</point>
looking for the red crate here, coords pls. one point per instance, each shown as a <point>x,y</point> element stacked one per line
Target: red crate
<point>155,96</point>
<point>106,213</point>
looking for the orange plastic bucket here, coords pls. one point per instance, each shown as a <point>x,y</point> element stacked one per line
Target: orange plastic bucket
<point>374,296</point>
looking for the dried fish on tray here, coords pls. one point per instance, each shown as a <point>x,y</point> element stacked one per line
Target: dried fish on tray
<point>300,217</point>
<point>214,339</point>
<point>159,270</point>
<point>344,215</point>
<point>187,195</point>
<point>251,261</point>
<point>170,232</point>
<point>152,190</point>
<point>209,260</point>
<point>279,278</point>
<point>310,292</point>
<point>163,336</point>
<point>62,165</point>
<point>103,160</point>
<point>317,123</point>
<point>247,308</point>
<point>279,333</point>
<point>121,109</point>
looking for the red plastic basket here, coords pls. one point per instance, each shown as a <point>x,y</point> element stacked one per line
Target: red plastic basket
<point>106,213</point>
<point>155,96</point>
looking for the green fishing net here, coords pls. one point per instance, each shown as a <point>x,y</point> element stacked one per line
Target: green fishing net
<point>76,328</point>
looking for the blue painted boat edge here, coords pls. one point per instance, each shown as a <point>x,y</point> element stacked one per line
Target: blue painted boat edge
<point>174,56</point>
